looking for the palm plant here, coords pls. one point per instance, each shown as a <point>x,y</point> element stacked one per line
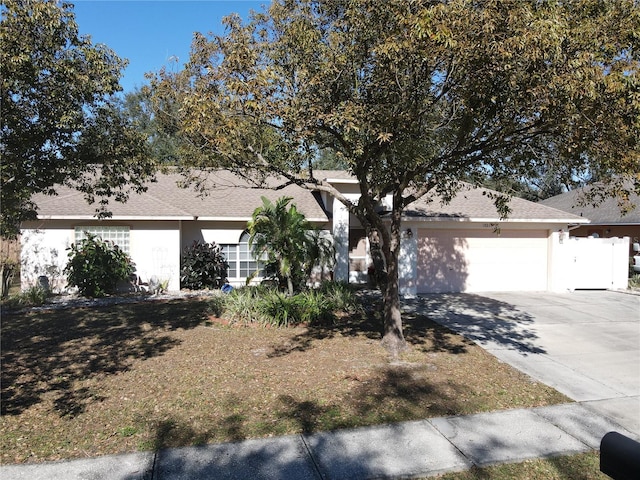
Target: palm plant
<point>288,240</point>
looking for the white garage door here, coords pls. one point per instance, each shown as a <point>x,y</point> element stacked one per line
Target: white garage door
<point>481,261</point>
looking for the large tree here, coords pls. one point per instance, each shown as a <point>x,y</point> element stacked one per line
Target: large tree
<point>59,122</point>
<point>164,142</point>
<point>414,97</point>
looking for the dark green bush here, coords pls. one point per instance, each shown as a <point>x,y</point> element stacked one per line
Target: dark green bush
<point>96,266</point>
<point>314,308</point>
<point>203,266</point>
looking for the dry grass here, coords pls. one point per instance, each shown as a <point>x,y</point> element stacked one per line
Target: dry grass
<point>92,381</point>
<point>583,466</point>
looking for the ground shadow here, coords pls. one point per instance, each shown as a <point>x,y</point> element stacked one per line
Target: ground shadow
<point>488,322</point>
<point>443,261</point>
<point>45,352</point>
<point>394,392</point>
<point>366,321</point>
<point>285,458</point>
<point>431,323</point>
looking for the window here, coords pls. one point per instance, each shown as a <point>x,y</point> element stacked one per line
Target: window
<point>240,259</point>
<point>117,235</point>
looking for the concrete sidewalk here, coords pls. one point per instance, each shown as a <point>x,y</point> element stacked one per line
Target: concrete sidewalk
<point>403,450</point>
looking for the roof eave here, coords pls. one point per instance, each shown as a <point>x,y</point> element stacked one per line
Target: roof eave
<point>116,217</point>
<point>246,219</point>
<point>572,221</point>
<point>617,224</point>
<point>342,180</point>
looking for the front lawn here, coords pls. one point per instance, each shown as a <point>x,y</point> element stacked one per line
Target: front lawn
<point>92,381</point>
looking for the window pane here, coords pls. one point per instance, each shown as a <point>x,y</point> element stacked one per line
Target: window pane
<point>117,235</point>
<point>233,271</point>
<point>240,258</point>
<point>230,252</point>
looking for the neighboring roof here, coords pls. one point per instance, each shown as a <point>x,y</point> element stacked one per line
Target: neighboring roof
<point>606,213</point>
<point>229,198</point>
<point>475,204</point>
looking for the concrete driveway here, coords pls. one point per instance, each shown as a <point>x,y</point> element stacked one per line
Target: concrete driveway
<point>585,344</point>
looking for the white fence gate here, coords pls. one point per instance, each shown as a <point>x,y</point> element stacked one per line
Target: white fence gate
<point>593,263</point>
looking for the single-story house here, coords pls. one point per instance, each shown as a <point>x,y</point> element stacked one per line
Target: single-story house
<point>460,247</point>
<point>605,219</point>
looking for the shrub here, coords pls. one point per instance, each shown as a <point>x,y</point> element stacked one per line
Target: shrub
<point>269,306</point>
<point>278,309</point>
<point>314,307</point>
<point>32,297</point>
<point>281,310</point>
<point>96,266</point>
<point>216,304</point>
<point>341,296</point>
<point>242,304</point>
<point>203,266</point>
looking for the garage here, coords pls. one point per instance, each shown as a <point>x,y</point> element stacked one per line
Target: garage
<point>481,260</point>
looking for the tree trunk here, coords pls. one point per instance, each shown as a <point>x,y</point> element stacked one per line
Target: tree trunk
<point>290,285</point>
<point>393,337</point>
<point>377,256</point>
<point>7,271</point>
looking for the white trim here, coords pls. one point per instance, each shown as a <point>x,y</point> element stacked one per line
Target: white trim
<point>418,218</point>
<point>115,217</point>
<point>342,180</point>
<point>613,224</point>
<point>222,219</point>
<point>245,219</point>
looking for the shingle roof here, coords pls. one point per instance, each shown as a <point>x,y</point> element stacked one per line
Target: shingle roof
<point>232,198</point>
<point>608,212</point>
<point>229,198</point>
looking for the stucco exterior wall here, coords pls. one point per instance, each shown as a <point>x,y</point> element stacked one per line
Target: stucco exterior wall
<point>43,252</point>
<point>154,247</point>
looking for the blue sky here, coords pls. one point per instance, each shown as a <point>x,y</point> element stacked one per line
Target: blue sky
<point>151,33</point>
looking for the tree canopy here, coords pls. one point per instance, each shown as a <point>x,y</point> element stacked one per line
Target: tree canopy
<point>59,122</point>
<point>414,97</point>
<point>164,143</point>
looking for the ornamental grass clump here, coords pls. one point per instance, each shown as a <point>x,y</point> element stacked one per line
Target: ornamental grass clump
<point>281,310</point>
<point>242,304</point>
<point>341,296</point>
<point>269,306</point>
<point>31,297</point>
